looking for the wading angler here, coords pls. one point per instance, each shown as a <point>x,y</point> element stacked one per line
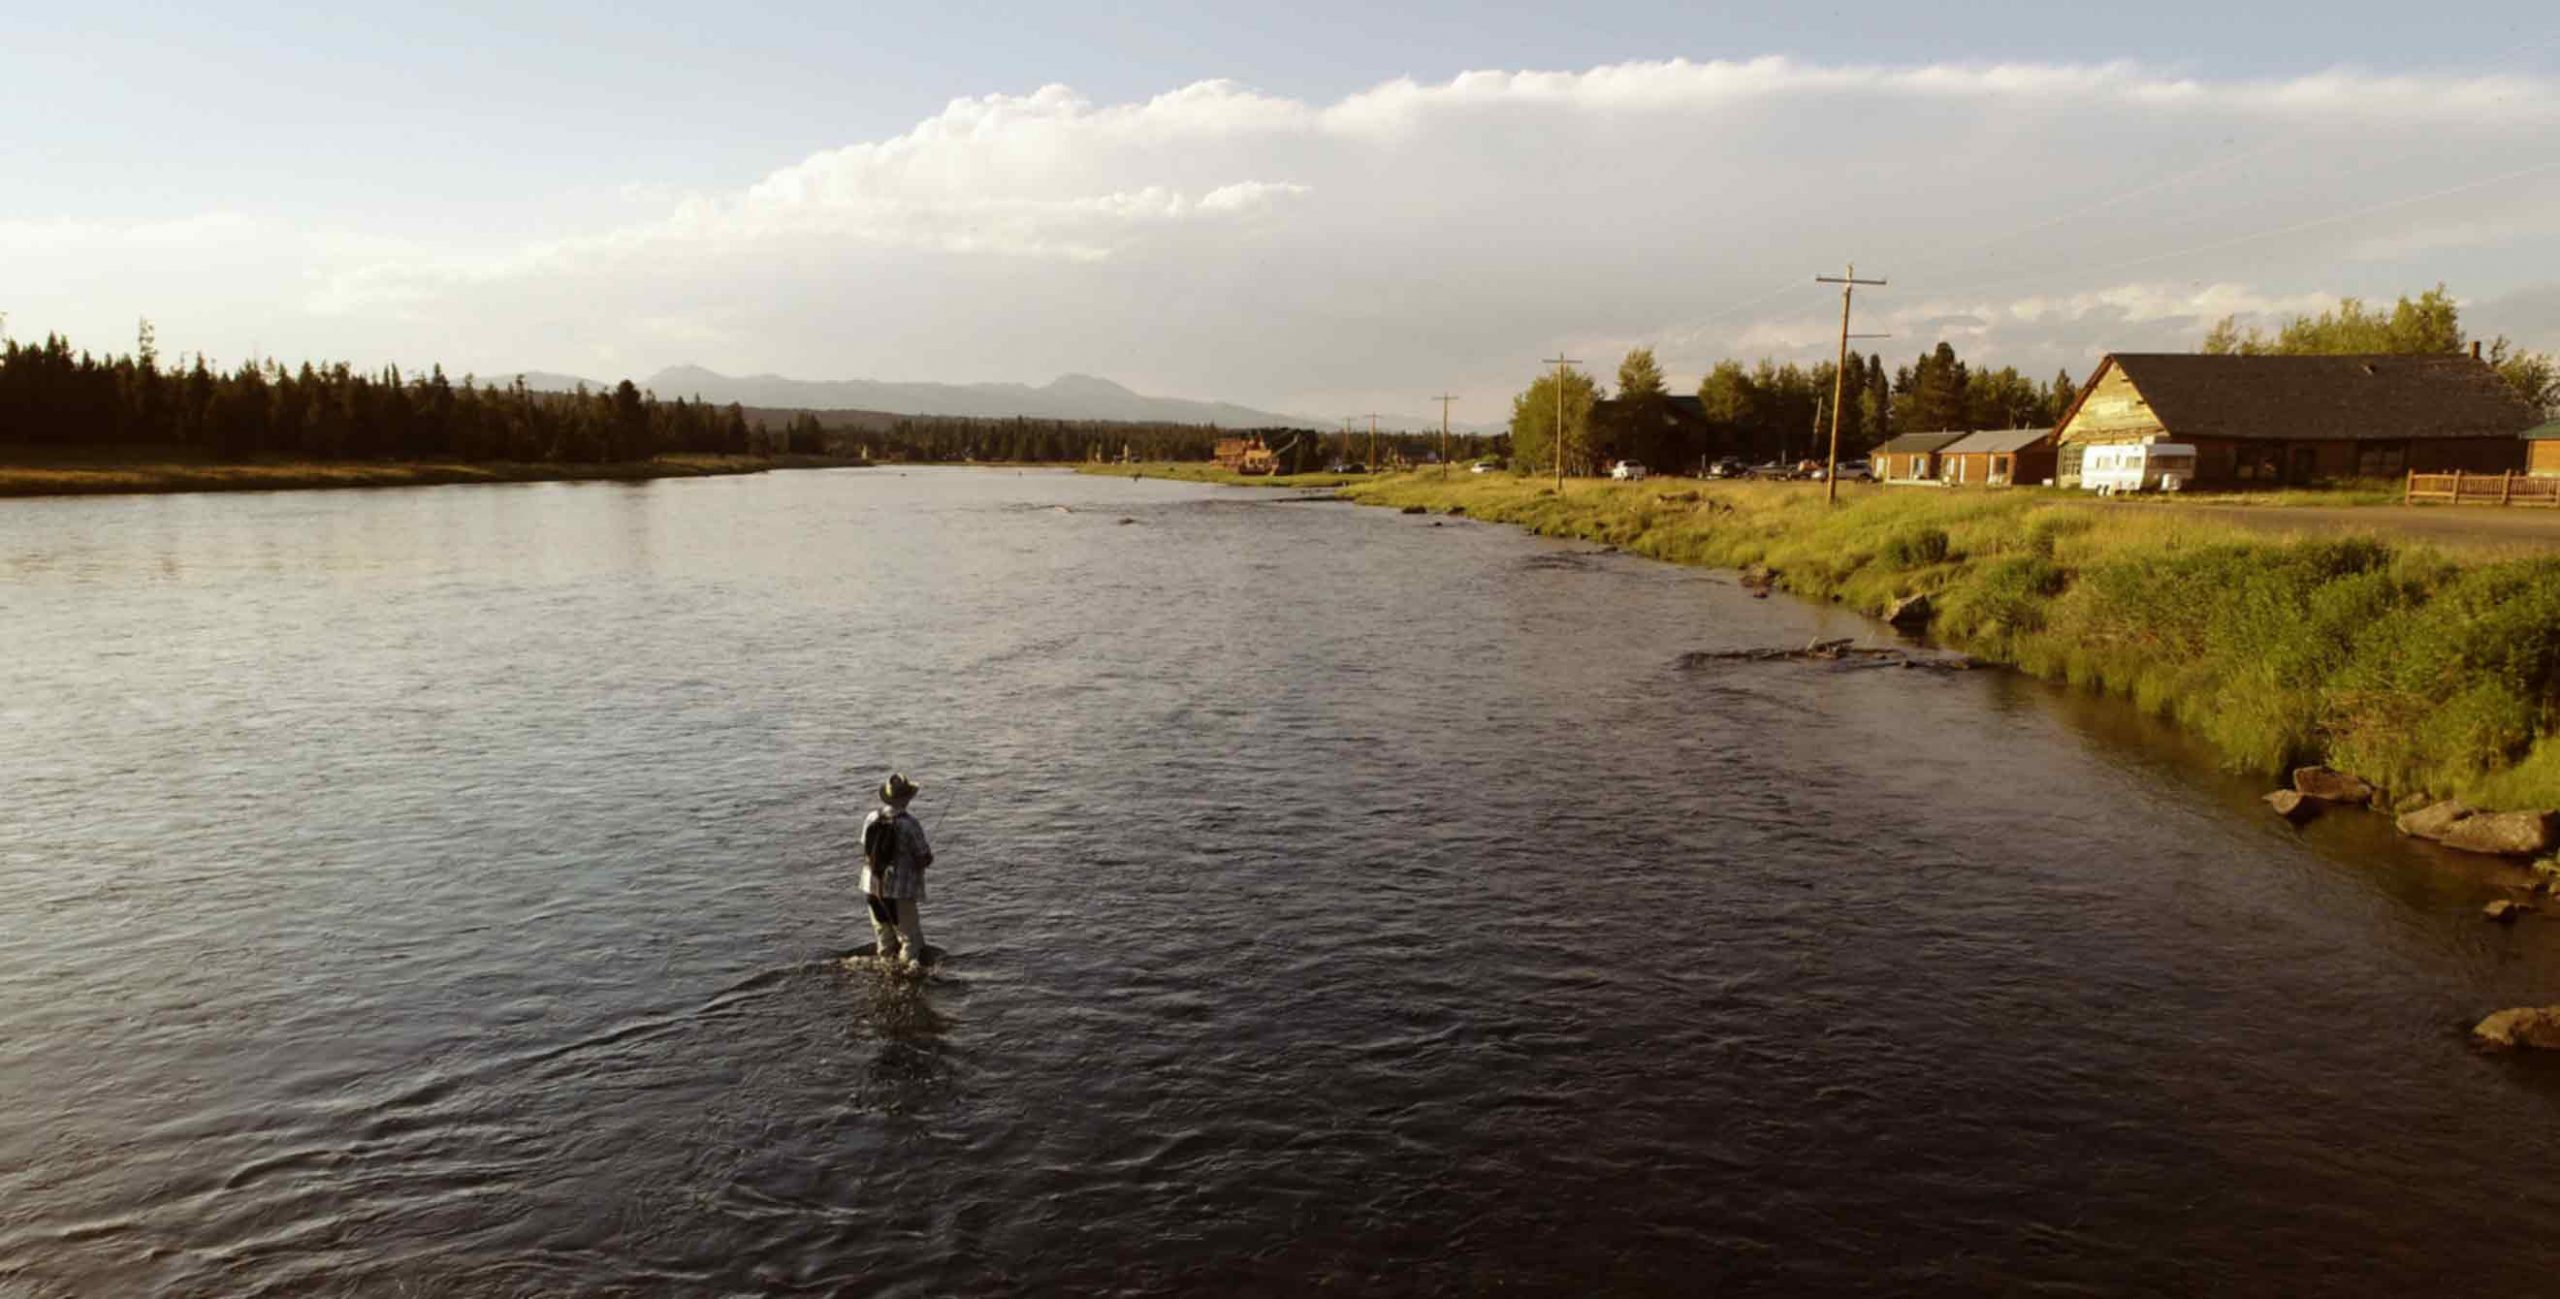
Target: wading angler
<point>894,857</point>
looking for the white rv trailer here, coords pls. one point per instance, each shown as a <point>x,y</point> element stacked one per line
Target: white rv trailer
<point>2110,468</point>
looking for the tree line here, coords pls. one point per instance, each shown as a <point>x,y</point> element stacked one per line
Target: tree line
<point>948,438</point>
<point>61,401</point>
<point>1774,412</point>
<point>2428,323</point>
<point>54,398</point>
<point>1780,412</point>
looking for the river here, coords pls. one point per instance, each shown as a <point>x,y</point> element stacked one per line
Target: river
<point>440,891</point>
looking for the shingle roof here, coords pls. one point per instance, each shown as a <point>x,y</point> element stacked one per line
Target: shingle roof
<point>2543,432</point>
<point>2306,398</point>
<point>1915,443</point>
<point>1998,441</point>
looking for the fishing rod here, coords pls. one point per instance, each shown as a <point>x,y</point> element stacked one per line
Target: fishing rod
<point>945,810</point>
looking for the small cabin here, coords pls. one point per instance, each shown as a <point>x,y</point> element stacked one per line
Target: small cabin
<point>1998,458</point>
<point>1246,456</point>
<point>1912,457</point>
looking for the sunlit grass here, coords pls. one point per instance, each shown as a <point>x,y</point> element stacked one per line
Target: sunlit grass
<point>2420,668</point>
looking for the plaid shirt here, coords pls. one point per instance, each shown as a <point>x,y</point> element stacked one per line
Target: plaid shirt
<point>903,877</point>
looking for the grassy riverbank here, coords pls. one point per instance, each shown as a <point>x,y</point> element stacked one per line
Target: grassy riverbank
<point>19,478</point>
<point>2419,668</point>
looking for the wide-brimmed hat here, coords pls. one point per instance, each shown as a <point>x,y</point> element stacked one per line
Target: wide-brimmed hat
<point>897,788</point>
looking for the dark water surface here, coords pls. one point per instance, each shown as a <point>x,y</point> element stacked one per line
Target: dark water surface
<point>438,892</point>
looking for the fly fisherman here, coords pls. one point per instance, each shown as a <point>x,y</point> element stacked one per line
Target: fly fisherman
<point>894,856</point>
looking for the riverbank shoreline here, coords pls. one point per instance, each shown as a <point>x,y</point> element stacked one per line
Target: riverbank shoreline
<point>2421,669</point>
<point>20,479</point>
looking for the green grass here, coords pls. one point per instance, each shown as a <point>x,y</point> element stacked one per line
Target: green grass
<point>2420,669</point>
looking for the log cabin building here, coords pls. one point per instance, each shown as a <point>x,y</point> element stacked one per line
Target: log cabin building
<point>2267,420</point>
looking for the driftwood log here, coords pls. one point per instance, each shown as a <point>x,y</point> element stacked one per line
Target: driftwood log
<point>1843,651</point>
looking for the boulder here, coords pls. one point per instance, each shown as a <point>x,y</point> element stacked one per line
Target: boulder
<point>2512,834</point>
<point>2431,821</point>
<point>1911,612</point>
<point>2293,805</point>
<point>2332,786</point>
<point>2504,911</point>
<point>2411,802</point>
<point>2534,1026</point>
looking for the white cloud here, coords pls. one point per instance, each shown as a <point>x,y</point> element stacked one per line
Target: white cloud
<point>1219,241</point>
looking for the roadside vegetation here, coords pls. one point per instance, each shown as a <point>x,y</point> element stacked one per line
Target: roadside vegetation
<point>2421,669</point>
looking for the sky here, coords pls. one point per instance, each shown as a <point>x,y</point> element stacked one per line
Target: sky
<point>1318,208</point>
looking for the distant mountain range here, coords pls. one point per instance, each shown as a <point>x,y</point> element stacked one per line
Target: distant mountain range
<point>1074,396</point>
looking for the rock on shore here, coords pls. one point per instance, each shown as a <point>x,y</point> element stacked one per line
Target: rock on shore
<point>2513,834</point>
<point>2431,821</point>
<point>2331,786</point>
<point>2293,805</point>
<point>2521,1026</point>
<point>2504,834</point>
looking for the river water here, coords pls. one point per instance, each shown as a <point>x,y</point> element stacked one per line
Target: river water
<point>440,891</point>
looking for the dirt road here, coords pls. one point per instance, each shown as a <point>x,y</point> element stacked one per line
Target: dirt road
<point>2469,526</point>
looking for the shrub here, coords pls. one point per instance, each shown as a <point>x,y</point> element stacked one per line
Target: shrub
<point>2002,599</point>
<point>1916,548</point>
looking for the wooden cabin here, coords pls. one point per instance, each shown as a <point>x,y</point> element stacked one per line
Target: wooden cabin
<point>1246,456</point>
<point>1998,458</point>
<point>2542,450</point>
<point>2267,420</point>
<point>1912,457</point>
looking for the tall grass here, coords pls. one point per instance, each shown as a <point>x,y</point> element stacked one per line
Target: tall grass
<point>2419,669</point>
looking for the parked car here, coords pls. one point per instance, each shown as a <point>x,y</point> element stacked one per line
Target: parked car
<point>1628,471</point>
<point>1729,467</point>
<point>1480,467</point>
<point>1857,471</point>
<point>1770,470</point>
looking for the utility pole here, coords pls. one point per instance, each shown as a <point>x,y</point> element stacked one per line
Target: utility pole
<point>1373,442</point>
<point>1839,376</point>
<point>1560,361</point>
<point>1444,399</point>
